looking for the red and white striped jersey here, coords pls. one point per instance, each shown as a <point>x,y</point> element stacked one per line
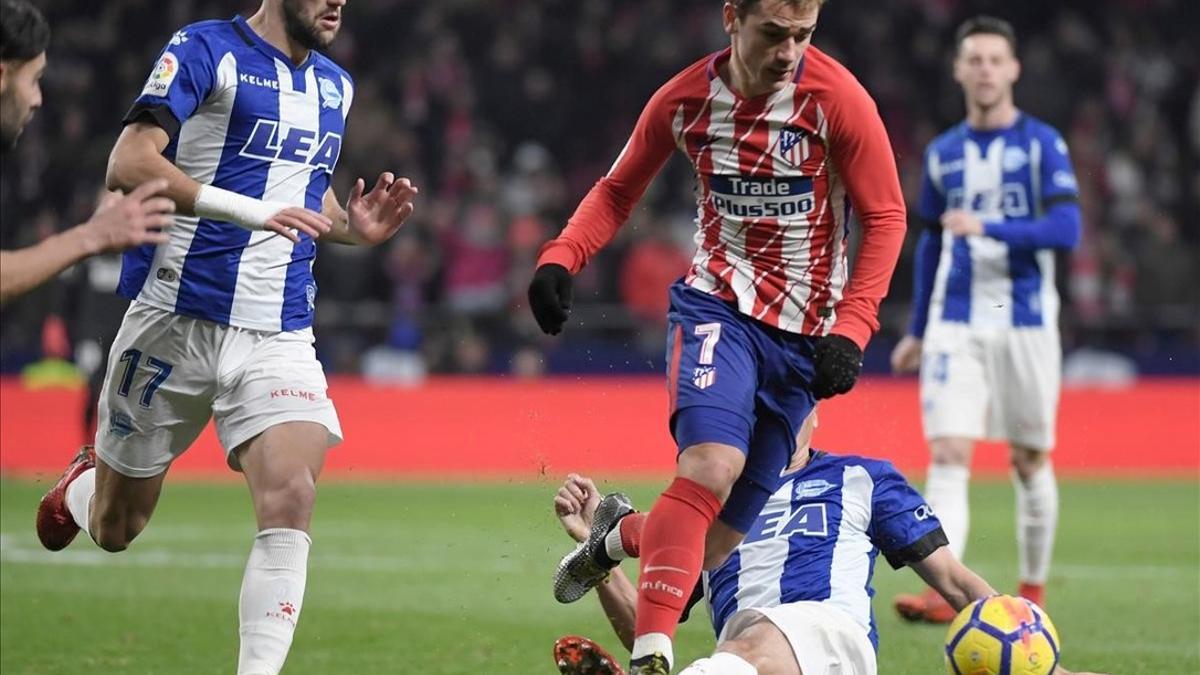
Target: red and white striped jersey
<point>777,176</point>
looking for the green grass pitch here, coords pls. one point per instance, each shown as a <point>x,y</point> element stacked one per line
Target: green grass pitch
<point>426,578</point>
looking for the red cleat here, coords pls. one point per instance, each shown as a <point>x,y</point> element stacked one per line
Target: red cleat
<point>55,525</point>
<point>929,607</point>
<point>576,655</point>
<point>1035,593</point>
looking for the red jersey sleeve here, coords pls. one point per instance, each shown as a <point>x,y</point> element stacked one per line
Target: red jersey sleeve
<point>863,157</point>
<point>608,204</point>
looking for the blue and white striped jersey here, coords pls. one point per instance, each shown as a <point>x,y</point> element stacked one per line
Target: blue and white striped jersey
<point>1019,182</point>
<point>818,536</point>
<point>243,117</point>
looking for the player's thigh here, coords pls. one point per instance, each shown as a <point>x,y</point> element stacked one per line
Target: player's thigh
<point>157,393</point>
<point>270,379</point>
<point>824,639</point>
<point>954,383</point>
<point>762,644</point>
<point>783,401</point>
<point>711,372</point>
<point>1028,383</point>
<point>772,446</point>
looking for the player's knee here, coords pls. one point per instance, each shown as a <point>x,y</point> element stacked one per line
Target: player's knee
<point>714,466</point>
<point>1027,461</point>
<point>751,651</point>
<point>289,503</point>
<point>763,646</point>
<point>951,451</point>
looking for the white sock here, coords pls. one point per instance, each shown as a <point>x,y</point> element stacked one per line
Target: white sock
<point>612,543</point>
<point>650,643</point>
<point>272,593</point>
<point>946,492</point>
<point>79,498</point>
<point>1037,519</point>
<point>721,663</point>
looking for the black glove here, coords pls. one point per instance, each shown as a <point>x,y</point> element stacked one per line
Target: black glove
<point>550,297</point>
<point>837,363</point>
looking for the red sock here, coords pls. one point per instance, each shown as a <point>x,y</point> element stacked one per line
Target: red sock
<point>672,554</point>
<point>631,533</point>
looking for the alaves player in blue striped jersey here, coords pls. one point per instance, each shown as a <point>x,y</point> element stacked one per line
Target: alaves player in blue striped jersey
<point>999,199</point>
<point>244,118</point>
<point>795,595</point>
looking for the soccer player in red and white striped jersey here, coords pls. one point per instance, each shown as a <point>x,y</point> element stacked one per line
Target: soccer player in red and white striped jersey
<point>786,143</point>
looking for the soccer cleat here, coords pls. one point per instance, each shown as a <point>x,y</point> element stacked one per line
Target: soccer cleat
<point>651,664</point>
<point>55,525</point>
<point>579,570</point>
<point>929,607</point>
<point>576,655</point>
<point>1035,593</point>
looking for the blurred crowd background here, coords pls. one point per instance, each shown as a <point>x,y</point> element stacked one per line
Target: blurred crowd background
<point>505,112</point>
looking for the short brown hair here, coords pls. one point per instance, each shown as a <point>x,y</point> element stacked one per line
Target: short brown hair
<point>986,25</point>
<point>743,7</point>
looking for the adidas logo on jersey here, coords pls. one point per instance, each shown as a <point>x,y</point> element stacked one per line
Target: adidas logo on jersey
<point>292,145</point>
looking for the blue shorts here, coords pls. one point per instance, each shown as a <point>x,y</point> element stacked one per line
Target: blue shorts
<point>737,381</point>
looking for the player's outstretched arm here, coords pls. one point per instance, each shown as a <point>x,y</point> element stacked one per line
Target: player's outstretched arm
<point>575,504</point>
<point>955,581</point>
<point>118,223</point>
<point>374,217</point>
<point>863,155</point>
<point>137,158</point>
<point>601,213</point>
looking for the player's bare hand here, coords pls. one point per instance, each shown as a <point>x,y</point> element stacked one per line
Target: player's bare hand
<point>575,504</point>
<point>294,219</point>
<point>378,214</point>
<point>961,223</point>
<point>140,217</point>
<point>906,357</point>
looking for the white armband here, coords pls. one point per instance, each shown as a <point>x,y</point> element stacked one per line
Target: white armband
<point>219,204</point>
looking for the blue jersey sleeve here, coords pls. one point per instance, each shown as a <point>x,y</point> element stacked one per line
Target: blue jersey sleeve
<point>931,202</point>
<point>1057,175</point>
<point>182,78</point>
<point>930,206</point>
<point>925,264</point>
<point>903,527</point>
<point>1060,225</point>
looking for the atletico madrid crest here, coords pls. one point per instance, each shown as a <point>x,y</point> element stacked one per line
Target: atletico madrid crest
<point>704,376</point>
<point>793,145</point>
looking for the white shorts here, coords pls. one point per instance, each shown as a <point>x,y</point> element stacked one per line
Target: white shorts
<point>825,639</point>
<point>995,384</point>
<point>168,374</point>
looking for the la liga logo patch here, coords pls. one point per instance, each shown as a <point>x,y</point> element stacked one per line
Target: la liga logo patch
<point>163,75</point>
